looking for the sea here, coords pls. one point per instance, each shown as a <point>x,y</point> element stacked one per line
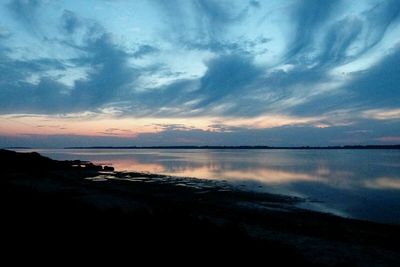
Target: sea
<point>362,184</point>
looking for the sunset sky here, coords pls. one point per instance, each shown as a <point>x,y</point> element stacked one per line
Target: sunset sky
<point>199,72</point>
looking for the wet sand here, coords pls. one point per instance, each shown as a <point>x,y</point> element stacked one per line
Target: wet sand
<point>48,204</point>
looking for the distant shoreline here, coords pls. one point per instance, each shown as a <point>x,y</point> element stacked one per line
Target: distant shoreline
<point>242,147</point>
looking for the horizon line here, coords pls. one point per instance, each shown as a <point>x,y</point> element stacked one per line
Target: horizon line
<point>396,146</point>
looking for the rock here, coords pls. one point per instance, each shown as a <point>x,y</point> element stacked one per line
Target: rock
<point>91,166</point>
<point>108,168</point>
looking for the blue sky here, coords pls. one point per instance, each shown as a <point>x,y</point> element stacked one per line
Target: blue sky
<point>201,72</point>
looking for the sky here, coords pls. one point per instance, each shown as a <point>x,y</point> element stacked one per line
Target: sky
<point>199,72</point>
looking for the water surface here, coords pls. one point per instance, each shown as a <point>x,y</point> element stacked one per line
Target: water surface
<point>363,184</point>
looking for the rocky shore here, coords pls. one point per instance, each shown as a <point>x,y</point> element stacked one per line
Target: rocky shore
<point>48,204</point>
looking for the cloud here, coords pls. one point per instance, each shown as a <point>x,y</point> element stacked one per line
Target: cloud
<point>255,3</point>
<point>144,50</point>
<point>341,35</point>
<point>233,84</point>
<point>292,134</point>
<point>70,21</point>
<point>379,18</point>
<point>309,16</point>
<point>117,132</point>
<point>226,75</point>
<point>4,33</point>
<point>224,47</point>
<point>377,86</point>
<point>109,75</point>
<point>288,135</point>
<point>198,23</point>
<point>382,114</point>
<point>172,127</point>
<point>222,127</point>
<point>25,11</point>
<point>191,59</point>
<point>389,139</point>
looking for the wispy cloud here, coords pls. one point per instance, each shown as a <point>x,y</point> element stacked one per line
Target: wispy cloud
<point>382,114</point>
<point>242,65</point>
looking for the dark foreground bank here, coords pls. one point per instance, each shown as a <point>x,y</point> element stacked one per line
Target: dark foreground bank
<point>75,208</point>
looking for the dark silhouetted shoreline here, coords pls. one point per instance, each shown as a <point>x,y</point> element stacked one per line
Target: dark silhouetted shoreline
<point>75,205</point>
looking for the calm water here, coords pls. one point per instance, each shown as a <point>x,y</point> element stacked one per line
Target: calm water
<point>362,184</point>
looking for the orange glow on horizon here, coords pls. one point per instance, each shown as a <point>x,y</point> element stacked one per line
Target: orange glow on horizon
<point>106,125</point>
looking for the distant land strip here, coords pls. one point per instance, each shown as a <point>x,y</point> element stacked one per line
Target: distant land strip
<point>243,147</point>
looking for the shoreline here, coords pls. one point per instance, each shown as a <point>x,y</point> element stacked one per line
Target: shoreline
<point>85,199</point>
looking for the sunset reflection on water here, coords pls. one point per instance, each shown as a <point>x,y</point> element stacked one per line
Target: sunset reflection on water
<point>356,183</point>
